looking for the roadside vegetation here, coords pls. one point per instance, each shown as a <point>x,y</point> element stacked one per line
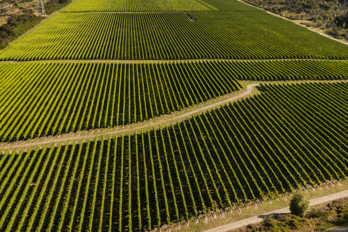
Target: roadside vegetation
<point>18,16</point>
<point>331,16</point>
<point>319,218</point>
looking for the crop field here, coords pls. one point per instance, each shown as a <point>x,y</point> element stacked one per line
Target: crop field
<point>230,35</point>
<point>40,99</point>
<point>256,148</point>
<point>51,98</point>
<point>137,6</point>
<point>155,6</point>
<point>125,64</point>
<point>228,5</point>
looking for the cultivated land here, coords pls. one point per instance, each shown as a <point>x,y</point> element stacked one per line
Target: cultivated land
<point>182,136</point>
<point>40,99</point>
<point>171,36</point>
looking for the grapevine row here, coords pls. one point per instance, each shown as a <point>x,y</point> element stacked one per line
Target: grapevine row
<point>54,98</point>
<point>59,98</point>
<point>155,6</point>
<point>162,36</point>
<point>137,6</point>
<point>256,148</point>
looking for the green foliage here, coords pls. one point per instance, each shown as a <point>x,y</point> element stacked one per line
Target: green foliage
<point>298,206</point>
<point>172,36</point>
<point>55,5</point>
<point>322,226</point>
<point>259,146</point>
<point>319,214</point>
<point>328,15</point>
<point>15,27</point>
<point>156,6</point>
<point>137,6</point>
<point>179,82</point>
<point>101,95</point>
<point>35,103</point>
<point>342,216</point>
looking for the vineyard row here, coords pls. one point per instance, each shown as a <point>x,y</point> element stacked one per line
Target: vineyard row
<point>260,147</point>
<point>155,6</point>
<point>40,99</point>
<point>45,99</point>
<point>237,35</point>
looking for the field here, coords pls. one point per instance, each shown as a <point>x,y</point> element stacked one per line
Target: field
<point>40,99</point>
<point>138,6</point>
<point>57,98</point>
<point>124,66</point>
<point>168,36</point>
<point>155,6</point>
<point>253,149</point>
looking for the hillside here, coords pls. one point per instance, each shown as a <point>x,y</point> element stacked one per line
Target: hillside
<point>330,16</point>
<point>19,16</point>
<point>138,115</point>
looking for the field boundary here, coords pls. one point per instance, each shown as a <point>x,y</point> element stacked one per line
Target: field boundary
<point>297,23</point>
<point>261,218</point>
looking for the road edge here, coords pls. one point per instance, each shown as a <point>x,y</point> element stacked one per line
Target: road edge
<point>261,218</point>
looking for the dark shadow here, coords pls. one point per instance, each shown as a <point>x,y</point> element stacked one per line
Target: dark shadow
<point>261,88</point>
<point>191,16</point>
<point>273,215</point>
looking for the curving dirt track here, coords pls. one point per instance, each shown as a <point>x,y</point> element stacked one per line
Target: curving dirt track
<point>154,123</point>
<point>162,121</point>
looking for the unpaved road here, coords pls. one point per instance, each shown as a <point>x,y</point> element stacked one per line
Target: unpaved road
<point>163,121</point>
<point>258,219</point>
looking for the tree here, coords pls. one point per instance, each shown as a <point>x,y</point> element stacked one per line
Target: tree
<point>298,205</point>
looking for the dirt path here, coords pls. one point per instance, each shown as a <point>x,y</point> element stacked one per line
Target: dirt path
<point>298,23</point>
<point>161,61</point>
<point>165,120</point>
<point>154,123</point>
<point>258,219</point>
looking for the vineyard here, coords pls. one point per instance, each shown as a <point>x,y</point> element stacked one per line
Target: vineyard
<point>137,6</point>
<point>40,99</point>
<point>257,148</point>
<point>163,36</point>
<point>122,65</point>
<point>155,6</point>
<point>59,98</point>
